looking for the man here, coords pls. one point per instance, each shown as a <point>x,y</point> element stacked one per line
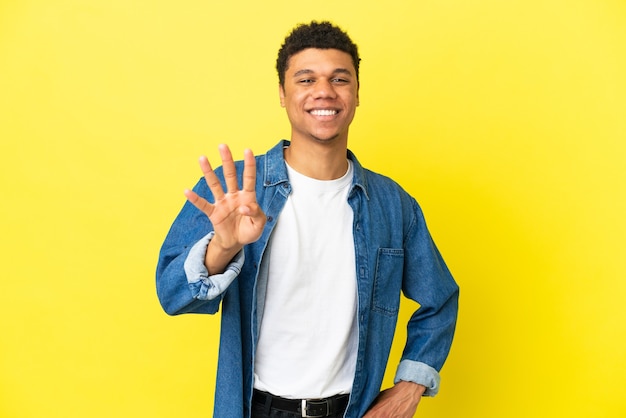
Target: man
<point>308,252</point>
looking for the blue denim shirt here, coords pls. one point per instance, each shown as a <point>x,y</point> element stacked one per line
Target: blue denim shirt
<point>394,254</point>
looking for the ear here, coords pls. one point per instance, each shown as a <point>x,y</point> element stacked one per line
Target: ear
<point>357,95</point>
<point>281,94</point>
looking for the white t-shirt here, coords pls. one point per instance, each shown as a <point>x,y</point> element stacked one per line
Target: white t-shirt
<point>308,337</point>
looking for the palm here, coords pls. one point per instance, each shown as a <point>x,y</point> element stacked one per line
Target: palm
<point>236,217</point>
<point>230,224</point>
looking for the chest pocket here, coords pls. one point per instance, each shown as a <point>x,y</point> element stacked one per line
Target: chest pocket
<point>388,280</point>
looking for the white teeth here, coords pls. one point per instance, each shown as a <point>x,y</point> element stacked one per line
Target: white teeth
<point>323,112</point>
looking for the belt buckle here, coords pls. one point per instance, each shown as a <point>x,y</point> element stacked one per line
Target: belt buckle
<point>305,409</point>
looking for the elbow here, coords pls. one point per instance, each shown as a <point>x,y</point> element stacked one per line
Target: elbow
<point>168,305</point>
<point>173,304</point>
<point>169,300</point>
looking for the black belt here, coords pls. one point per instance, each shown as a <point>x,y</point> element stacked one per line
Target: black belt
<point>304,407</point>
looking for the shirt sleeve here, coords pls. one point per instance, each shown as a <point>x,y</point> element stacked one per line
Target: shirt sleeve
<point>421,373</point>
<point>430,330</point>
<point>202,285</point>
<point>182,282</point>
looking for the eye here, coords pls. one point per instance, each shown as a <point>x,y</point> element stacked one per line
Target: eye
<point>340,81</point>
<point>305,81</point>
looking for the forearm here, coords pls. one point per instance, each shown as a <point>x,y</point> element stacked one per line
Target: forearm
<point>204,285</point>
<point>217,257</point>
<point>399,401</point>
<point>173,287</point>
<point>411,392</point>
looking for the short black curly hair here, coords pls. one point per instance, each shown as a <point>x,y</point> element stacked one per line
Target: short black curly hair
<point>322,35</point>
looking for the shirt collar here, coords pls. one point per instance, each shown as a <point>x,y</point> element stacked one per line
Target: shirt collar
<point>275,170</point>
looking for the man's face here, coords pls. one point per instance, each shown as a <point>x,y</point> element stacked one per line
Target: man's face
<point>320,94</point>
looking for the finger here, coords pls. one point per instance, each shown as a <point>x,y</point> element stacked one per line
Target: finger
<point>249,171</point>
<point>211,179</point>
<point>199,202</point>
<point>228,165</point>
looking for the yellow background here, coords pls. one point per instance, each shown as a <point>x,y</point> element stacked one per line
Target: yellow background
<point>506,120</point>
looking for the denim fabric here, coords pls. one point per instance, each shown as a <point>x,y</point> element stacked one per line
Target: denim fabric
<point>394,254</point>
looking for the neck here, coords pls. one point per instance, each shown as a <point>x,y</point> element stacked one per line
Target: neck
<point>319,161</point>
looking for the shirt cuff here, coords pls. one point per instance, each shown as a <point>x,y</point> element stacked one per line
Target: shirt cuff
<point>420,373</point>
<point>203,286</point>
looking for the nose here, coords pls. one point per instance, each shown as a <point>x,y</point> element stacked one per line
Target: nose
<point>324,90</point>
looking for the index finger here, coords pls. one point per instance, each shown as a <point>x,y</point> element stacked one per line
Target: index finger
<point>211,179</point>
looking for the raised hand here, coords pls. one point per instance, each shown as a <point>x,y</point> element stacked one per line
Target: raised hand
<point>236,216</point>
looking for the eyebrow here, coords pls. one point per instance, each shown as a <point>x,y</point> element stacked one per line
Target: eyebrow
<point>306,71</point>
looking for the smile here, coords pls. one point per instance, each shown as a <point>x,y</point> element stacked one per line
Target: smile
<point>323,112</point>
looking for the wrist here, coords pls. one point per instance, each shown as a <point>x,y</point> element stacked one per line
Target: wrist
<point>218,256</point>
<point>416,388</point>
